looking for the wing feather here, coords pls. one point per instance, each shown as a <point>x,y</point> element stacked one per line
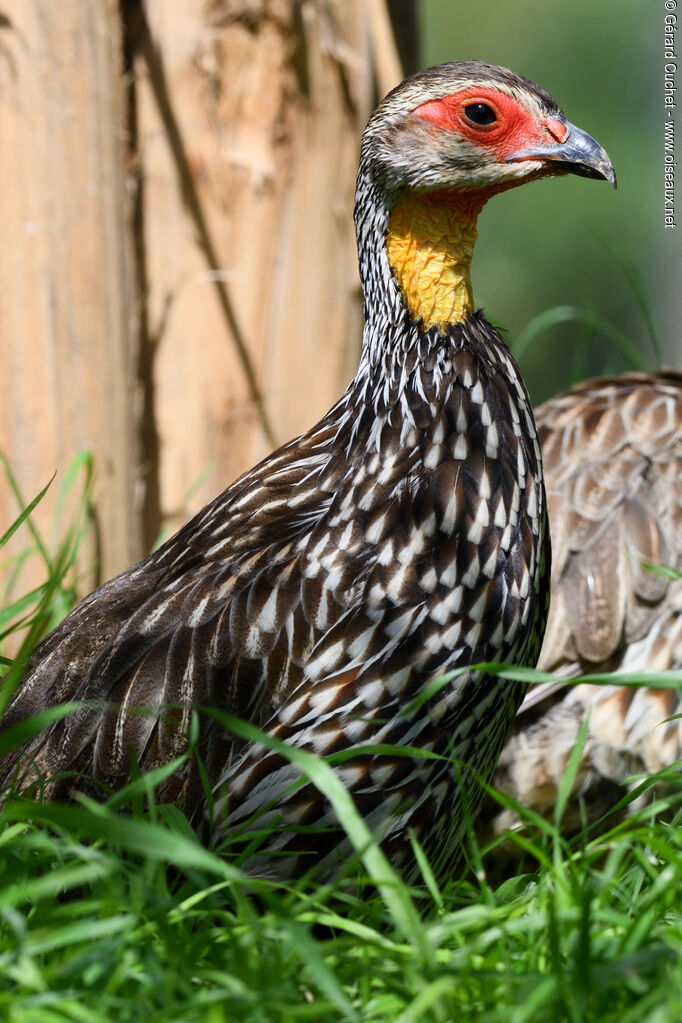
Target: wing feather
<point>612,451</point>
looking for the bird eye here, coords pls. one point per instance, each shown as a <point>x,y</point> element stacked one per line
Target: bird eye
<point>480,114</point>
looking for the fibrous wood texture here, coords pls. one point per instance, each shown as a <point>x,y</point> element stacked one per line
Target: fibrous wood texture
<point>67,340</point>
<point>248,118</point>
<point>178,270</point>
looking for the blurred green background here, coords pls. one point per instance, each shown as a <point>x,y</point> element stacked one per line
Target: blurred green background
<point>574,241</point>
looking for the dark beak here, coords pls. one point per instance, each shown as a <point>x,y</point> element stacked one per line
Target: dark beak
<point>579,154</point>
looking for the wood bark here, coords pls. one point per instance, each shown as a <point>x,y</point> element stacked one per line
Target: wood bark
<point>249,116</point>
<point>66,341</point>
<point>178,276</point>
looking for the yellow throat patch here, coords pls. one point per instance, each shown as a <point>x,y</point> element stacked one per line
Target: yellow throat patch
<point>430,243</point>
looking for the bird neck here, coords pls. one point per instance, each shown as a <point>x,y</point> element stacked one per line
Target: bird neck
<point>414,255</point>
<point>429,245</point>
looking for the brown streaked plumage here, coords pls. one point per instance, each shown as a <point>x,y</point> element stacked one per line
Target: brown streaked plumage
<point>612,450</point>
<point>401,537</point>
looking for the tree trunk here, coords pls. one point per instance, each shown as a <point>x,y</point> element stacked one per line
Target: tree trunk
<point>66,333</point>
<point>178,270</point>
<point>248,119</point>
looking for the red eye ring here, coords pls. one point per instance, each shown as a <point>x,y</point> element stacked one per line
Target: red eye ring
<point>514,126</point>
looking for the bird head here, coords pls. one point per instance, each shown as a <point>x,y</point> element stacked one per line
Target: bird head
<point>469,126</point>
<point>436,149</point>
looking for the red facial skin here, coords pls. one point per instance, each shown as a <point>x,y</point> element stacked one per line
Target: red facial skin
<point>514,130</point>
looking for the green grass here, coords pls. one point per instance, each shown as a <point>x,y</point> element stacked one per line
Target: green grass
<point>105,917</point>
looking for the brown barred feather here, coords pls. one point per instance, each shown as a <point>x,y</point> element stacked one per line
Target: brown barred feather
<point>401,537</point>
<point>612,451</point>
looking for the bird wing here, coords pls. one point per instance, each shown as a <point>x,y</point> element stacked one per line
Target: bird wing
<point>612,452</point>
<point>222,608</point>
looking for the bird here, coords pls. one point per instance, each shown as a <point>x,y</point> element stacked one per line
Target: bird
<point>612,455</point>
<point>323,595</point>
